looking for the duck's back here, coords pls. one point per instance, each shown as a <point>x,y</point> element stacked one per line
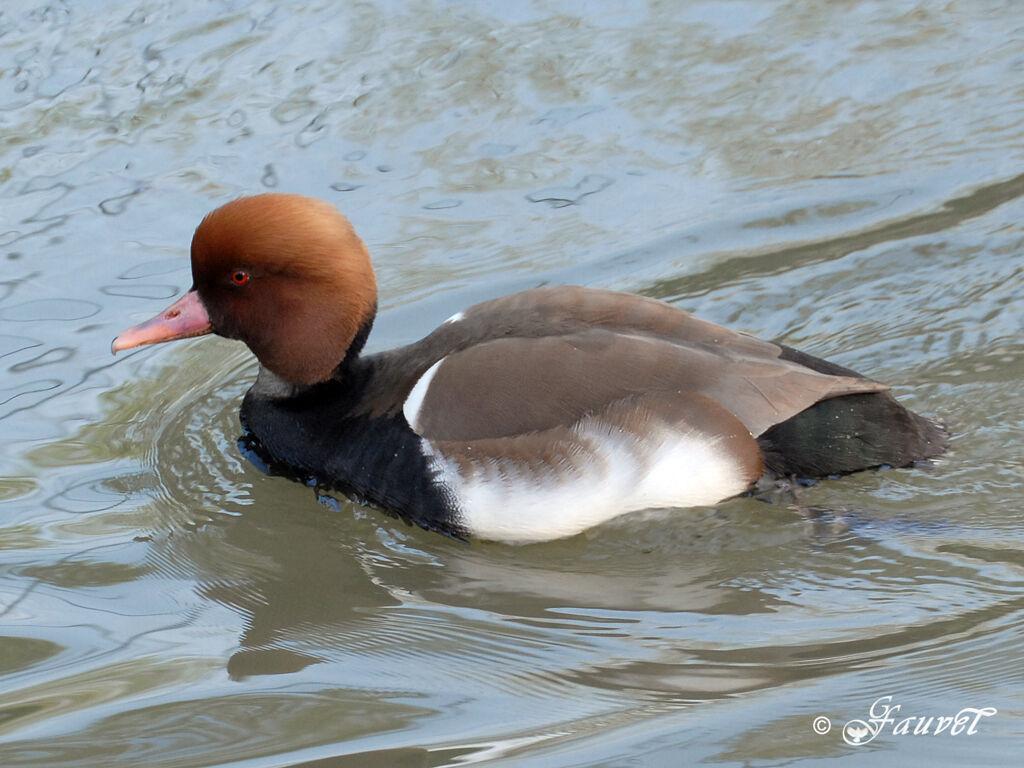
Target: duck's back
<point>545,357</point>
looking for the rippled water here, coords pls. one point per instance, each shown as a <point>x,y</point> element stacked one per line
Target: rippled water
<point>845,177</point>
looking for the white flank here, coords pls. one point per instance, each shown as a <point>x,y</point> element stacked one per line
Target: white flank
<point>454,318</point>
<point>612,473</point>
<point>414,402</point>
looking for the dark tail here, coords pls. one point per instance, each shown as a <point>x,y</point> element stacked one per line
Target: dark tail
<point>848,433</point>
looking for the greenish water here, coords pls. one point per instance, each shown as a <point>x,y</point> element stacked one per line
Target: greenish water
<point>845,177</point>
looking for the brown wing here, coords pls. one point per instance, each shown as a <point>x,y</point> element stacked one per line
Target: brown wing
<point>558,310</point>
<point>515,385</point>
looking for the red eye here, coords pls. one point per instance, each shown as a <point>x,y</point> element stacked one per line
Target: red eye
<point>240,277</point>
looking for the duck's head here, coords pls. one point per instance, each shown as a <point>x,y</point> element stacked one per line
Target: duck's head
<point>286,274</point>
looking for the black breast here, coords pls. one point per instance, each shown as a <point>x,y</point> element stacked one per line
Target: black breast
<point>320,437</point>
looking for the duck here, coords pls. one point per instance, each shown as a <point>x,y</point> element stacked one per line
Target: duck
<point>525,418</point>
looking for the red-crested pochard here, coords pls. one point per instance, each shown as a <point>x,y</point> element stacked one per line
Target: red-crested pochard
<point>524,418</point>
